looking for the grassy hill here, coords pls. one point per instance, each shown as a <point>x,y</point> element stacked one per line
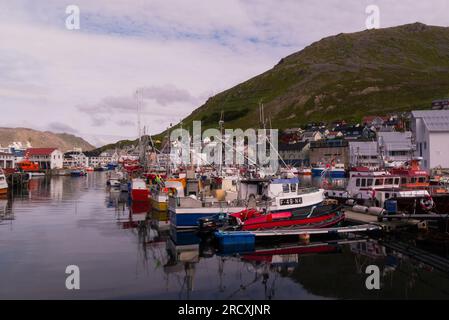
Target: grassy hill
<point>342,77</point>
<point>40,139</point>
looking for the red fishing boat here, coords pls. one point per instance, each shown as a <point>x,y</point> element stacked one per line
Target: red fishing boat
<point>323,216</point>
<point>139,190</point>
<point>415,178</point>
<point>318,217</point>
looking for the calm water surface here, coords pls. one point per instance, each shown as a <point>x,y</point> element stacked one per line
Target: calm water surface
<point>124,253</point>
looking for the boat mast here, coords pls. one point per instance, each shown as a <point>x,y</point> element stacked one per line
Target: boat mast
<point>221,126</point>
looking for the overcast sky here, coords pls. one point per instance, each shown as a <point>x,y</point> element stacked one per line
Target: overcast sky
<point>180,52</point>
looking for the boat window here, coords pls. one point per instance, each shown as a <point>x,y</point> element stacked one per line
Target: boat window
<point>422,179</point>
<point>413,180</point>
<point>363,182</point>
<point>285,188</point>
<point>396,180</point>
<point>379,182</point>
<point>389,181</point>
<point>357,182</point>
<point>293,187</point>
<point>369,182</point>
<point>387,195</point>
<point>403,180</point>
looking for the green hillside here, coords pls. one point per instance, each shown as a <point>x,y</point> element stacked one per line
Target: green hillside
<point>342,77</point>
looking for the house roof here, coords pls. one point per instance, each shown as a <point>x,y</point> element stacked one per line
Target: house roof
<point>368,119</point>
<point>435,120</point>
<point>292,146</point>
<point>396,140</point>
<point>39,151</point>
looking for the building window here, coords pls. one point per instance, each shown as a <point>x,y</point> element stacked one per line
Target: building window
<point>293,187</point>
<point>357,182</point>
<point>425,145</point>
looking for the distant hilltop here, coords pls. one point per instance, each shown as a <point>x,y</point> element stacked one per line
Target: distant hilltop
<point>42,139</point>
<point>342,77</point>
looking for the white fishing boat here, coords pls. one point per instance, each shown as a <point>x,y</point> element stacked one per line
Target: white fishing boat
<point>115,178</point>
<point>160,193</point>
<point>271,195</point>
<point>379,187</point>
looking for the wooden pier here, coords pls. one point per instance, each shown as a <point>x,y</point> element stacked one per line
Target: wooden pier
<point>329,231</point>
<point>386,225</point>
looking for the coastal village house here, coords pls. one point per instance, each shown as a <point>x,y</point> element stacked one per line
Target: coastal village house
<point>329,151</point>
<point>75,158</point>
<point>395,147</point>
<point>431,133</point>
<point>104,159</point>
<point>48,158</point>
<point>296,154</point>
<point>7,160</point>
<point>364,154</point>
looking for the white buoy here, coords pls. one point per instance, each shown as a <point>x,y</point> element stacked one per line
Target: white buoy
<point>358,208</point>
<point>376,211</point>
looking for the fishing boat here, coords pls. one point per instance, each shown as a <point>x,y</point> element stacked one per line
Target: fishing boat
<point>3,183</point>
<point>305,171</point>
<point>317,171</point>
<point>413,177</point>
<point>335,171</point>
<point>114,179</point>
<point>323,216</point>
<point>139,190</point>
<point>77,173</point>
<point>272,195</point>
<point>160,193</point>
<point>28,166</point>
<point>377,187</point>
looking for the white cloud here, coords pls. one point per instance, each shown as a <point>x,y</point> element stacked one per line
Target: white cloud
<point>177,50</point>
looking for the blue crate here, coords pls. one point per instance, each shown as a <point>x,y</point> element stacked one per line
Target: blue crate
<point>235,241</point>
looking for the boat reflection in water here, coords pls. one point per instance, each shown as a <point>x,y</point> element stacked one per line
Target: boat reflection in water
<point>126,251</point>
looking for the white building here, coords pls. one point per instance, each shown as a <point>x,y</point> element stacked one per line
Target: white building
<point>431,133</point>
<point>397,147</point>
<point>75,158</point>
<point>364,154</point>
<point>48,158</point>
<point>7,160</point>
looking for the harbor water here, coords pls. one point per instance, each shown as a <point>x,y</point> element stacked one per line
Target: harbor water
<point>125,251</point>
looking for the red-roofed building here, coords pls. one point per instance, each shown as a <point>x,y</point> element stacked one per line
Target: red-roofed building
<point>48,158</point>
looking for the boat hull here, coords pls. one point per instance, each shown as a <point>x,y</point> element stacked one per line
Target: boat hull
<point>337,174</point>
<point>267,222</point>
<point>159,205</point>
<point>139,195</point>
<point>190,219</point>
<point>316,172</point>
